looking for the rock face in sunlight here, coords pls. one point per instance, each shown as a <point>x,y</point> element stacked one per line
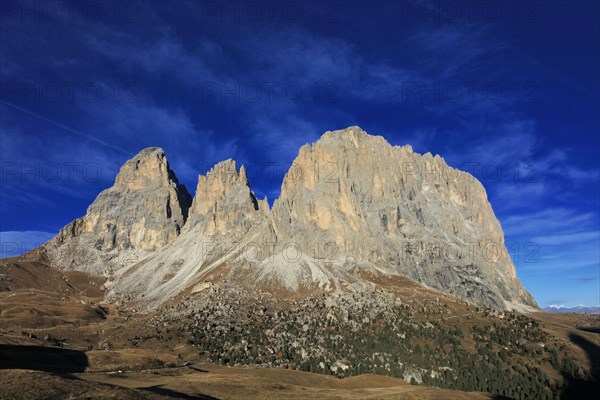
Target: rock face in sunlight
<point>357,200</point>
<point>144,210</point>
<point>352,207</point>
<point>224,203</point>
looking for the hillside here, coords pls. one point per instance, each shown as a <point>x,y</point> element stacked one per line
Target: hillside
<point>202,345</point>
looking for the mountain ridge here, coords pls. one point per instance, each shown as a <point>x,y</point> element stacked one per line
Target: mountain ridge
<point>580,308</point>
<point>350,203</point>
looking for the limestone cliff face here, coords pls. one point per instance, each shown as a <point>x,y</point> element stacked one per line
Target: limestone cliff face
<point>144,210</point>
<point>351,206</point>
<point>224,221</point>
<point>224,203</point>
<point>353,199</point>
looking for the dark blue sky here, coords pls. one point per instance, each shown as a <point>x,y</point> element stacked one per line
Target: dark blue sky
<point>506,90</point>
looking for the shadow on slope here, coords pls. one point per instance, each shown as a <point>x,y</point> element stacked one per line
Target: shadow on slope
<point>160,389</point>
<point>40,358</point>
<point>591,329</point>
<point>577,387</point>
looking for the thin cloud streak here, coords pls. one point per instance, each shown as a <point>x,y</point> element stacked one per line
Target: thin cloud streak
<point>66,128</point>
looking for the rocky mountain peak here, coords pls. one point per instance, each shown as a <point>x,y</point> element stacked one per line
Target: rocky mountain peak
<point>353,134</point>
<point>148,168</point>
<point>362,199</point>
<point>351,204</point>
<point>223,198</point>
<point>144,210</point>
<point>224,183</point>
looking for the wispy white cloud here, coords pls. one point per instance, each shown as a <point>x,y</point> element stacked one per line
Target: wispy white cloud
<point>553,240</point>
<point>582,256</point>
<point>451,48</point>
<point>14,243</point>
<point>512,161</point>
<point>163,56</point>
<point>36,163</point>
<point>548,220</point>
<point>568,238</point>
<point>499,144</point>
<point>144,123</point>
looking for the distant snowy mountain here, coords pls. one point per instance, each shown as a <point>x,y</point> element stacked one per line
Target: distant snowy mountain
<point>575,309</point>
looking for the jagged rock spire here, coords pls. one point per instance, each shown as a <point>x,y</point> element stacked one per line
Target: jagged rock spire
<point>224,199</point>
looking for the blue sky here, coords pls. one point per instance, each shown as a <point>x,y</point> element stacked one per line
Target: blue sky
<point>508,91</point>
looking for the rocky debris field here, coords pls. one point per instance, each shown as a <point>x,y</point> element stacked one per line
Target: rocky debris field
<point>423,340</point>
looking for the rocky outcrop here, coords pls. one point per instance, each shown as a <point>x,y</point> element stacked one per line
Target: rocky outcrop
<point>144,210</point>
<point>353,209</point>
<point>353,199</point>
<point>224,221</point>
<point>224,203</point>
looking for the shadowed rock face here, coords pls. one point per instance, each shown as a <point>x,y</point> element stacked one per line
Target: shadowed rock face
<point>350,203</point>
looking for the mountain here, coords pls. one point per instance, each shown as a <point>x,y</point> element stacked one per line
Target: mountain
<point>353,209</point>
<point>387,208</point>
<point>145,209</point>
<point>581,309</point>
